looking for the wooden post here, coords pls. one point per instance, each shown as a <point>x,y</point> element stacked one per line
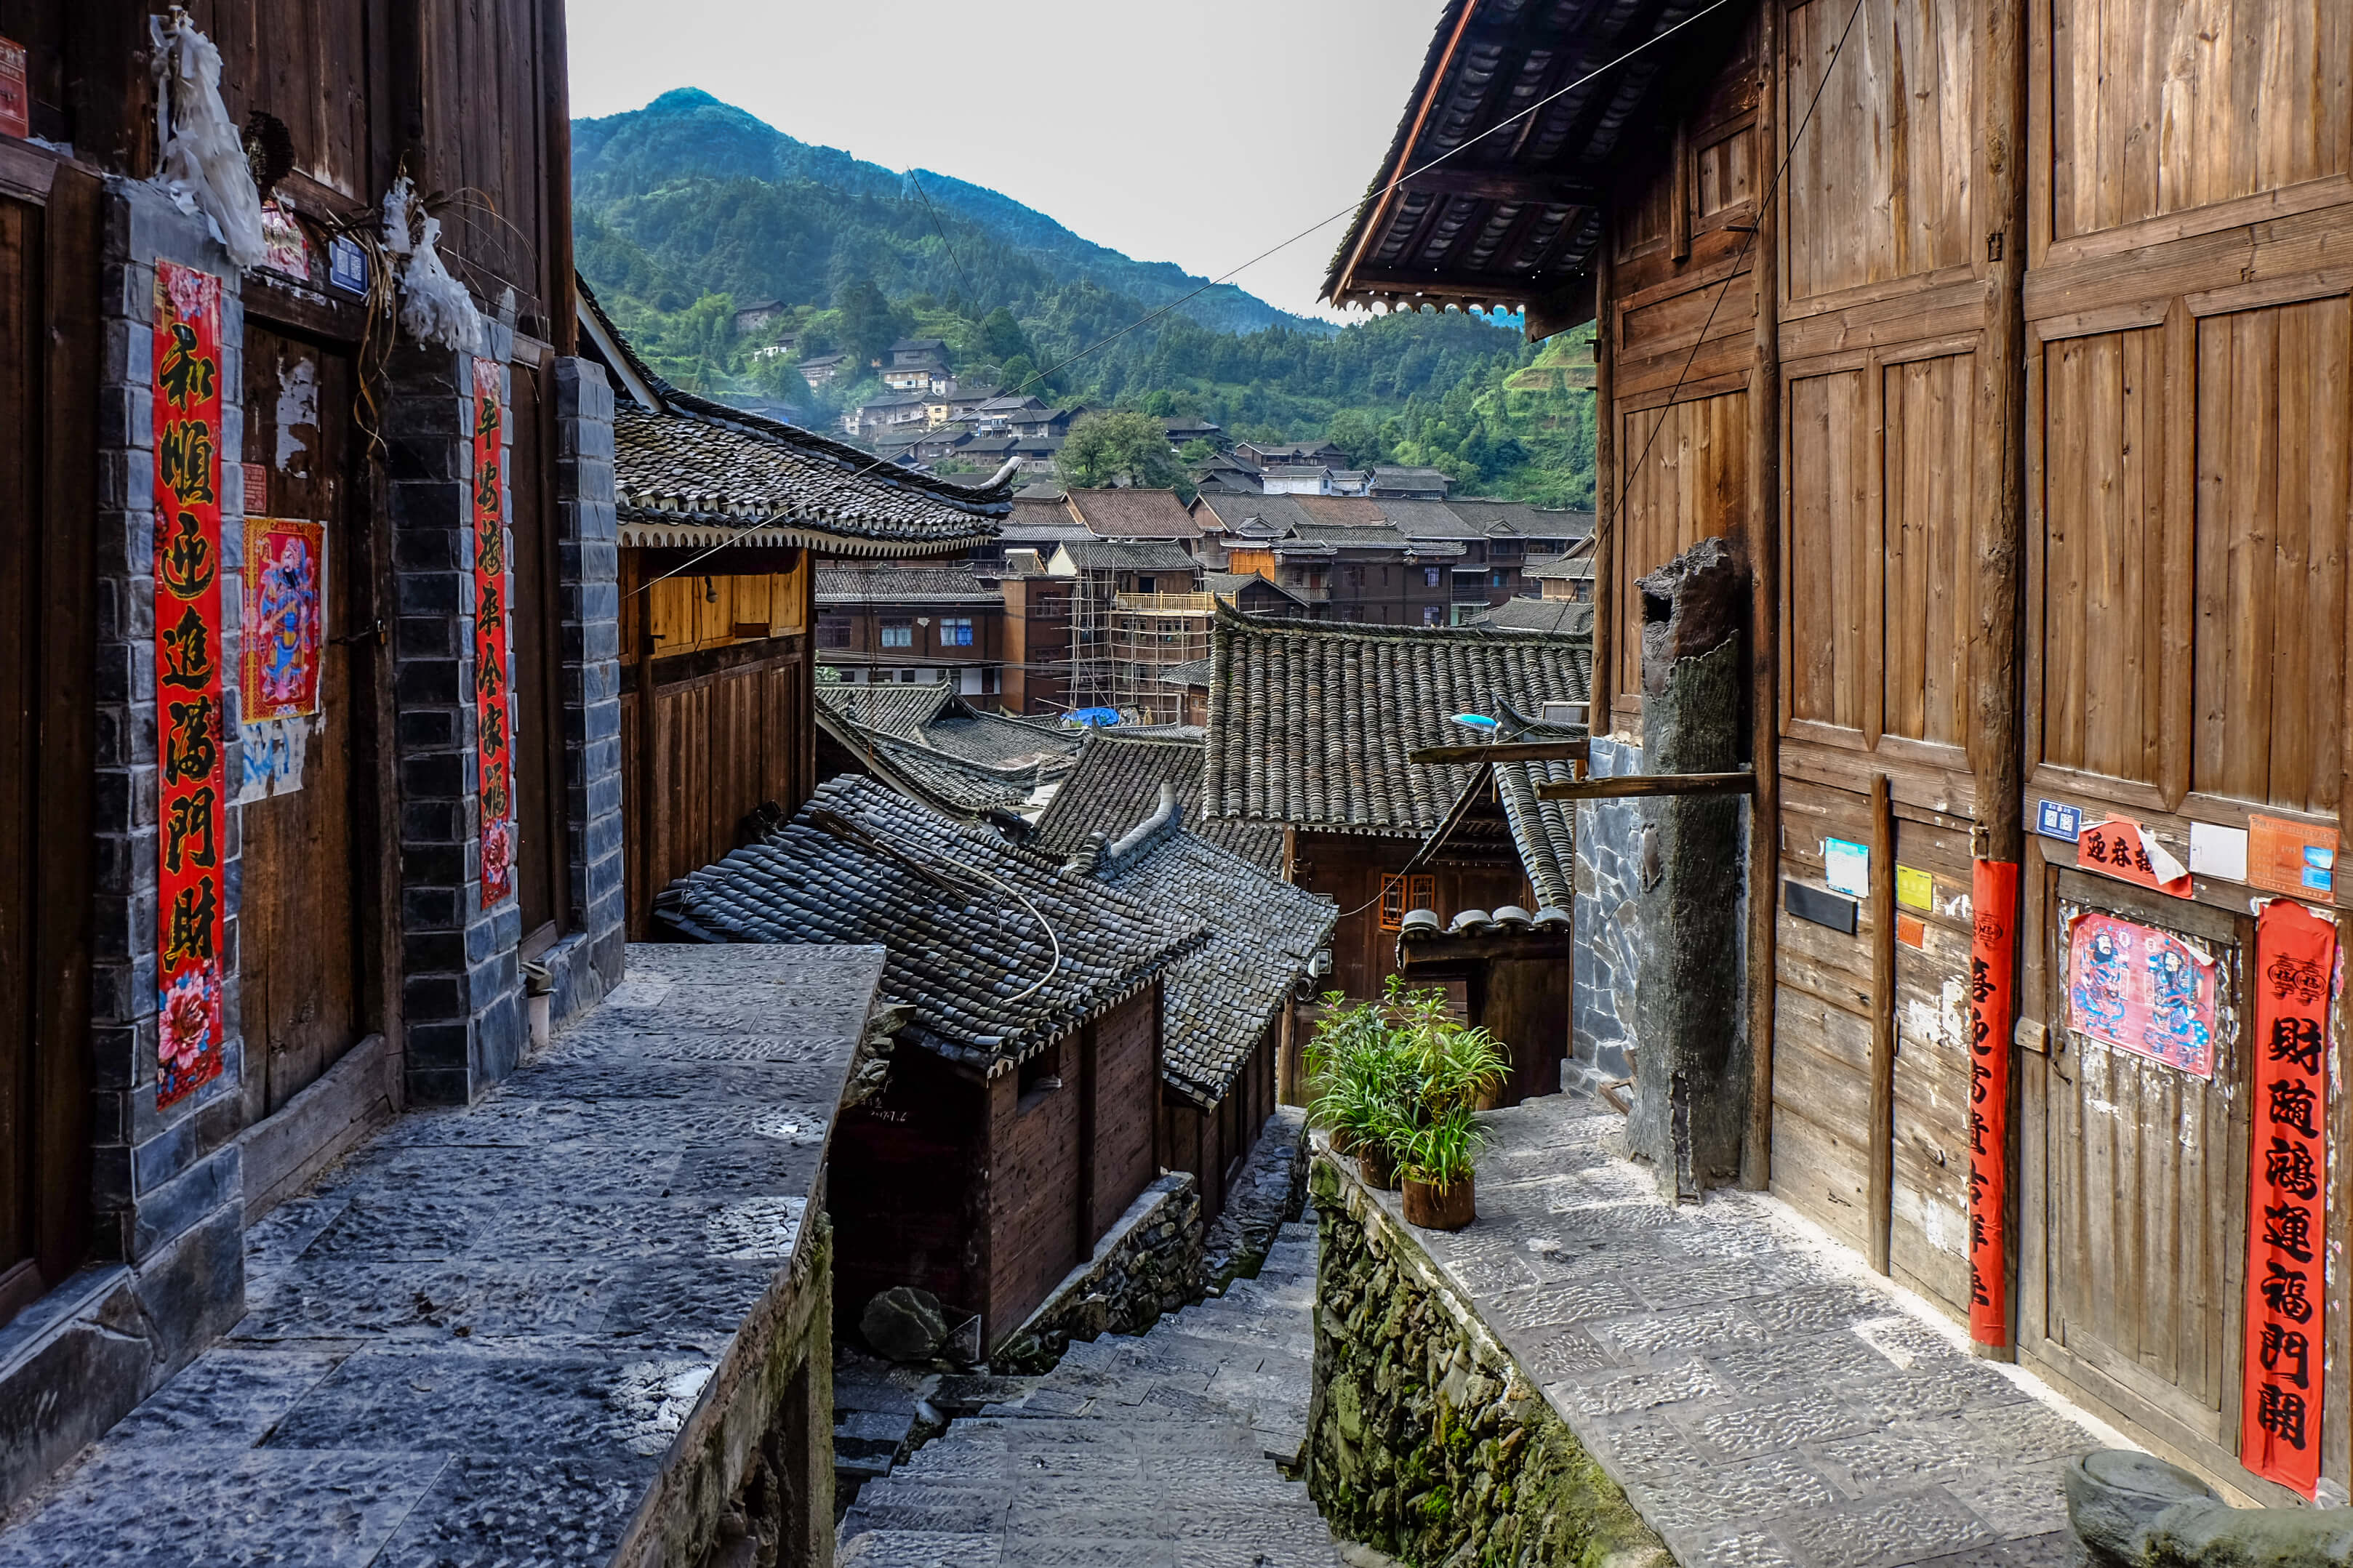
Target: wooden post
<point>1764,619</point>
<point>1996,739</point>
<point>653,785</point>
<point>1880,1197</point>
<point>1607,486</point>
<point>554,71</point>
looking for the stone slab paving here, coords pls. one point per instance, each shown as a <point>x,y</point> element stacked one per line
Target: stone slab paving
<point>479,1339</point>
<point>1160,1450</point>
<point>1765,1401</point>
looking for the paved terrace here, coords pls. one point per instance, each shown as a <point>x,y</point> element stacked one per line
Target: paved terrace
<point>523,1332</point>
<point>1762,1398</point>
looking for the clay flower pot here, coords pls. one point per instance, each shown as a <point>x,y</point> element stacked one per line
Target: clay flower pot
<point>1440,1208</point>
<point>1341,1141</point>
<point>1377,1168</point>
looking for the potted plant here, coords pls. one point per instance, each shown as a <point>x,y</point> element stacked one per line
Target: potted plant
<point>1438,1170</point>
<point>1455,1070</point>
<point>1363,1087</point>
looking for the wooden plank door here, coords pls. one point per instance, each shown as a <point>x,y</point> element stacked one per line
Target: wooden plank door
<point>2146,1191</point>
<point>309,852</point>
<point>49,357</point>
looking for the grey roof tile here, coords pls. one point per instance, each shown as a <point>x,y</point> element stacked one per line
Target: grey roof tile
<point>1117,782</point>
<point>1312,724</point>
<point>965,916</point>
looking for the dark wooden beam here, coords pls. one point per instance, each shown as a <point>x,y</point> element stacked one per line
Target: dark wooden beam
<point>1505,752</point>
<point>1480,286</point>
<point>1649,786</point>
<point>1879,1152</point>
<point>1503,185</point>
<point>1764,619</point>
<point>1606,484</point>
<point>1449,956</point>
<point>1571,305</point>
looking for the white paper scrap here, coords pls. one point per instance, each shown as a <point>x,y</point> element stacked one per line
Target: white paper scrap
<point>1846,867</point>
<point>2219,852</point>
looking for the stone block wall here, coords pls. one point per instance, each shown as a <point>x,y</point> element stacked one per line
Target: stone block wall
<point>1609,935</point>
<point>1425,1438</point>
<point>462,978</point>
<point>588,963</point>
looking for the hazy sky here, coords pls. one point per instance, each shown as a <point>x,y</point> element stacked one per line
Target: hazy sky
<point>1199,132</point>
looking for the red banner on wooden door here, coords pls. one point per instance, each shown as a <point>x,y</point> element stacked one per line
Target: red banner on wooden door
<point>493,712</point>
<point>1993,903</point>
<point>190,721</point>
<point>2287,1218</point>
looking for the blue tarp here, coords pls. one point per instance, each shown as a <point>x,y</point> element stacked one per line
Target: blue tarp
<point>1093,718</point>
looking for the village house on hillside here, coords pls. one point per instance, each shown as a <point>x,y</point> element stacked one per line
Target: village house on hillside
<point>893,623</point>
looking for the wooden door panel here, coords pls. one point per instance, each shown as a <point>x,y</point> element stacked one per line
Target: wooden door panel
<point>2147,1167</point>
<point>308,852</point>
<point>1832,548</point>
<point>2274,391</point>
<point>1929,415</point>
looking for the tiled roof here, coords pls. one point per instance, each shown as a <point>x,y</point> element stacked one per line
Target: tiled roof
<point>1219,997</point>
<point>902,586</point>
<point>1118,780</point>
<point>1540,523</point>
<point>1544,831</point>
<point>1311,724</point>
<point>970,922</point>
<point>1127,555</point>
<point>1283,513</point>
<point>1192,672</point>
<point>1411,478</point>
<point>1344,511</point>
<point>1569,568</point>
<point>894,710</point>
<point>1134,514</point>
<point>1562,618</point>
<point>997,741</point>
<point>957,785</point>
<point>1232,583</point>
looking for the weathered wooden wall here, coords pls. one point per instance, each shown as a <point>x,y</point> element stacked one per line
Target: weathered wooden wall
<point>1126,1083</point>
<point>908,1189</point>
<point>1351,867</point>
<point>2184,400</point>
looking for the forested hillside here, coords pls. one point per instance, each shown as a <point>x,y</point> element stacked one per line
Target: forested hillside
<point>690,208</point>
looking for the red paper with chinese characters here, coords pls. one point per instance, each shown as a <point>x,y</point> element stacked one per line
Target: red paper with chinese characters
<point>492,712</point>
<point>2287,1218</point>
<point>191,783</point>
<point>1993,903</point>
<point>2116,848</point>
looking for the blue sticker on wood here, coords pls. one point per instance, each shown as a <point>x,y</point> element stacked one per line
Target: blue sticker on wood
<point>346,265</point>
<point>2053,820</point>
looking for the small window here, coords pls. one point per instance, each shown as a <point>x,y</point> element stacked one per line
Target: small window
<point>1495,579</point>
<point>1038,1079</point>
<point>1429,576</point>
<point>1402,895</point>
<point>898,634</point>
<point>1144,584</point>
<point>833,631</point>
<point>956,632</point>
<point>1431,614</point>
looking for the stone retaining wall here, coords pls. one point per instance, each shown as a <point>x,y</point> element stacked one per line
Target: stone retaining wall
<point>1147,1264</point>
<point>1425,1438</point>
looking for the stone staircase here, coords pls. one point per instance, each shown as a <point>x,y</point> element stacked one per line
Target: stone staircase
<point>1164,1449</point>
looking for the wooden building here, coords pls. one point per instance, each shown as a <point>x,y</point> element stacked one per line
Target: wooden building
<point>2006,345</point>
<point>720,513</point>
<point>1017,1124</point>
<point>917,622</point>
<point>340,910</point>
<point>1311,729</point>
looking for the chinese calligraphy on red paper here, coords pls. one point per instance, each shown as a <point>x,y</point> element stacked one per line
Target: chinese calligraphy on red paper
<point>193,912</point>
<point>492,711</point>
<point>1993,900</point>
<point>2295,960</point>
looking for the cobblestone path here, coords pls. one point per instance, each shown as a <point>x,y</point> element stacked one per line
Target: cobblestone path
<point>1159,1450</point>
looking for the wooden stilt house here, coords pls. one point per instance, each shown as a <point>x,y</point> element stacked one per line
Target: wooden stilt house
<point>2010,346</point>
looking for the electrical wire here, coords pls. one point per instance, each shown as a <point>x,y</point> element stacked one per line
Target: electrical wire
<point>1223,278</point>
<point>1747,242</point>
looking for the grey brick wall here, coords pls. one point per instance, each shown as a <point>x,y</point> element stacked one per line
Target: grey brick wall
<point>462,981</point>
<point>588,963</point>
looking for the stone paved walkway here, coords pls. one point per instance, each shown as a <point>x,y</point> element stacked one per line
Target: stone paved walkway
<point>1764,1400</point>
<point>492,1333</point>
<point>1159,1452</point>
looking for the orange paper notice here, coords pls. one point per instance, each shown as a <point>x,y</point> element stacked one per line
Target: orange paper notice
<point>2122,848</point>
<point>2285,857</point>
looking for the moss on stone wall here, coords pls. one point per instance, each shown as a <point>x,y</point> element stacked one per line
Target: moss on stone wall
<point>1424,1439</point>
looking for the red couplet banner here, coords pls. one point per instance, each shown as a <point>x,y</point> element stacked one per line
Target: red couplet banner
<point>492,712</point>
<point>1993,903</point>
<point>2287,1221</point>
<point>190,719</point>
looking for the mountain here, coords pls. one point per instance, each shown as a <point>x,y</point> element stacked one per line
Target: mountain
<point>690,208</point>
<point>638,164</point>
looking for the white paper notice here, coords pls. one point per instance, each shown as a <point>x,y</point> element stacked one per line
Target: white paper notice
<point>1846,867</point>
<point>2218,852</point>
